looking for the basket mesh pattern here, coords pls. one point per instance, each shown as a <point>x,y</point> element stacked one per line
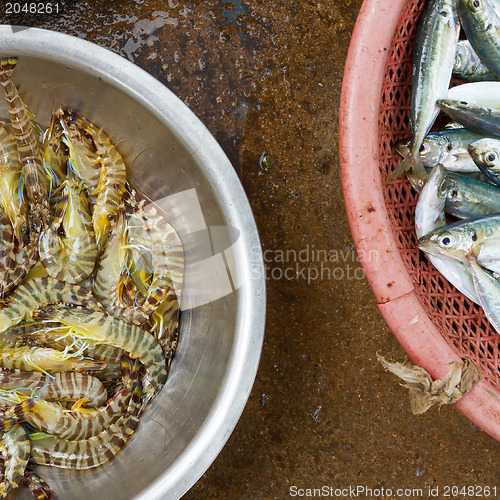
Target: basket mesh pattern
<point>461,322</point>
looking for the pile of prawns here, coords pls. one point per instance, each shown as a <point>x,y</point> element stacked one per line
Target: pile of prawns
<point>89,312</point>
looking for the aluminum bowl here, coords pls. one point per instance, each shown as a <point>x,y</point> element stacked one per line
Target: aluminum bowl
<point>172,159</point>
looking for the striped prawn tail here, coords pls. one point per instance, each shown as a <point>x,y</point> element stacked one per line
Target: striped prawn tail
<point>130,369</point>
<point>22,408</point>
<point>135,404</point>
<point>7,66</point>
<point>37,486</point>
<point>151,302</point>
<point>7,423</point>
<point>16,413</point>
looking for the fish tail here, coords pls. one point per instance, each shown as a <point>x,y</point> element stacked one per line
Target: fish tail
<point>7,65</point>
<point>409,163</point>
<point>418,169</point>
<point>404,166</point>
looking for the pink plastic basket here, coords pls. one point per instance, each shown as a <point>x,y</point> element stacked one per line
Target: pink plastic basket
<point>433,322</point>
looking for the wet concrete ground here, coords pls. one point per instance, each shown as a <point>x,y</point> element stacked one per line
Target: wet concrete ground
<point>265,77</point>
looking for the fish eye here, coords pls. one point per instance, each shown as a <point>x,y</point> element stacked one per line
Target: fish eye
<point>476,4</point>
<point>474,236</point>
<point>423,149</point>
<point>464,103</point>
<point>443,186</point>
<point>449,147</point>
<point>491,157</point>
<point>445,242</point>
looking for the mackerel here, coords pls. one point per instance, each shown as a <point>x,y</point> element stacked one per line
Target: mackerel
<point>469,66</point>
<point>432,68</point>
<point>429,216</point>
<point>478,19</point>
<point>447,147</point>
<point>486,155</point>
<point>480,236</point>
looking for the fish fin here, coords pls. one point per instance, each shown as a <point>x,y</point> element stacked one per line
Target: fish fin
<point>419,170</point>
<point>409,163</point>
<point>404,166</point>
<point>7,65</point>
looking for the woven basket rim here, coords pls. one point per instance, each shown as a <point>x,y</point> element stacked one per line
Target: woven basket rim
<point>368,216</point>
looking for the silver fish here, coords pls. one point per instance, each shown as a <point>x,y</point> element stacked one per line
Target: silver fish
<point>474,116</point>
<point>432,68</point>
<point>429,216</point>
<point>488,292</point>
<point>479,236</point>
<point>468,198</point>
<point>447,147</point>
<point>469,66</point>
<point>478,19</point>
<point>486,155</point>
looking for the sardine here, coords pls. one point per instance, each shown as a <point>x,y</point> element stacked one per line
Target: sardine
<point>432,68</point>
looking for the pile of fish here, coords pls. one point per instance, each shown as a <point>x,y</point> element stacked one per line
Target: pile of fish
<point>88,308</point>
<point>457,169</point>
